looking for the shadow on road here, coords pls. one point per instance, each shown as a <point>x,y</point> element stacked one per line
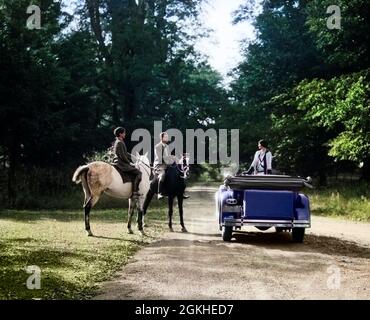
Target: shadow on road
<point>272,241</point>
<point>214,235</point>
<point>312,243</point>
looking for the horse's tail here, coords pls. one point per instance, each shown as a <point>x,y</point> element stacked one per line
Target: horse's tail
<point>77,175</point>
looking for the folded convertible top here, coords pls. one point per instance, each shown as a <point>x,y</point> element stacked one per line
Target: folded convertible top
<point>270,182</point>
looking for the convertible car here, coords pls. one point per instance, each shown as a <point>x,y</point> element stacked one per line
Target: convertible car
<point>263,202</point>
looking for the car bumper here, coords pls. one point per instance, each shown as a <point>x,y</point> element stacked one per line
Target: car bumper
<point>267,223</point>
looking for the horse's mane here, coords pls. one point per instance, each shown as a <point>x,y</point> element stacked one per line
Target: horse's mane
<point>144,159</point>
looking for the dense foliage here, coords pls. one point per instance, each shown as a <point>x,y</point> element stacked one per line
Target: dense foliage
<point>305,87</point>
<point>66,85</point>
<point>302,86</point>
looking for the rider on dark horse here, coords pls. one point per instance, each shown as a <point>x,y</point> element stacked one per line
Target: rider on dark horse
<point>170,175</point>
<point>163,159</point>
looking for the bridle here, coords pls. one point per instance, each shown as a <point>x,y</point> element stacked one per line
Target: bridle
<point>148,172</point>
<point>184,167</point>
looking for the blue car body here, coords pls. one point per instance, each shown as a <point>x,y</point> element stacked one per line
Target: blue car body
<point>274,201</point>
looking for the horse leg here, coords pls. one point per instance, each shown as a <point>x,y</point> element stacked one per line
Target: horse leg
<point>148,198</point>
<point>140,219</point>
<point>139,206</point>
<point>89,202</point>
<point>88,207</point>
<point>170,212</point>
<point>180,200</point>
<point>130,213</point>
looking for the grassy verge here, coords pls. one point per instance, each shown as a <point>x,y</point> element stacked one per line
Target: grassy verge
<point>69,199</point>
<point>348,201</point>
<point>72,264</point>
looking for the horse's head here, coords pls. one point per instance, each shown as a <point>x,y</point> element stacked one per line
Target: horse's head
<point>142,159</point>
<point>143,164</point>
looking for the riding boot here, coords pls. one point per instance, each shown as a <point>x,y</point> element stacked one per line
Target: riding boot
<point>136,186</point>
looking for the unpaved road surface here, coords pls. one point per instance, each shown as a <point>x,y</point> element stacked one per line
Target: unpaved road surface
<point>333,263</point>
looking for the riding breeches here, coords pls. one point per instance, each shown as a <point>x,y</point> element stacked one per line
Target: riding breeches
<point>160,172</point>
<point>137,174</point>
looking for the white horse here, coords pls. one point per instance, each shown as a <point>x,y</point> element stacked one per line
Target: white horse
<point>100,177</point>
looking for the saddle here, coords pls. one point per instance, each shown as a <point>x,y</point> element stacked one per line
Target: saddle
<point>167,189</point>
<point>126,177</point>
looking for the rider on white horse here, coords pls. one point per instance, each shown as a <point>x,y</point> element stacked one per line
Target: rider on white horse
<point>123,160</point>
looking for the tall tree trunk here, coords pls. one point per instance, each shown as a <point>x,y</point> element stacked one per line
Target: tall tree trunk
<point>365,172</point>
<point>93,7</point>
<point>323,176</point>
<point>130,106</point>
<point>11,180</point>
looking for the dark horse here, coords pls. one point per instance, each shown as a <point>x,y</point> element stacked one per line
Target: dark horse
<point>174,187</point>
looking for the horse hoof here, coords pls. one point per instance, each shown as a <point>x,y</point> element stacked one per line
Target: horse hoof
<point>143,233</point>
<point>171,229</point>
<point>89,233</point>
<point>129,231</point>
<point>184,230</point>
<point>145,225</point>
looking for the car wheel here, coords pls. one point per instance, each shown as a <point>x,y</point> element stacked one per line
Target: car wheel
<point>227,233</point>
<point>298,234</point>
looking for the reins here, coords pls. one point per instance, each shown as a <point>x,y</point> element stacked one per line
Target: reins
<point>178,166</point>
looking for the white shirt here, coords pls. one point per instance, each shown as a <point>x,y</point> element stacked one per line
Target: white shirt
<point>258,161</point>
<point>162,155</point>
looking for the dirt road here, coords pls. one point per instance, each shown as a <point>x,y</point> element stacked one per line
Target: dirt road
<point>333,263</point>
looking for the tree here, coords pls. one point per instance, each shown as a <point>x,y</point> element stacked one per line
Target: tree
<point>345,49</point>
<point>123,63</point>
<point>300,146</point>
<point>282,55</point>
<point>341,104</point>
<point>135,40</point>
<point>301,84</point>
<point>31,84</point>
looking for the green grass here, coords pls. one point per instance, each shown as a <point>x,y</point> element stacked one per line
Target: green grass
<point>348,201</point>
<point>72,264</point>
<point>69,199</point>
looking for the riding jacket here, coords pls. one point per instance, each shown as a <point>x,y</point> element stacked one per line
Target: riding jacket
<point>122,158</point>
